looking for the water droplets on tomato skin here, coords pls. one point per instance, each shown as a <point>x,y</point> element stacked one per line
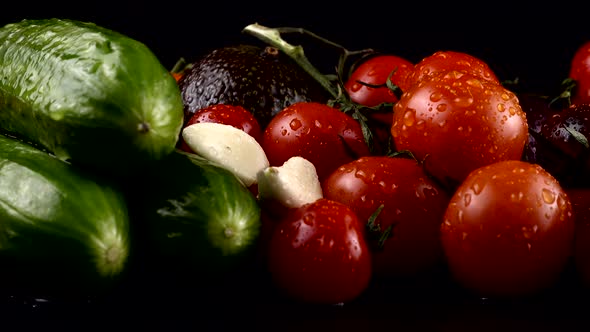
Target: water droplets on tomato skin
<point>409,117</point>
<point>355,87</point>
<point>436,96</point>
<point>548,196</point>
<point>295,124</point>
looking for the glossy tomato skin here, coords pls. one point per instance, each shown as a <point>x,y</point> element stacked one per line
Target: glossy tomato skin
<point>456,122</point>
<point>580,72</point>
<point>508,230</point>
<point>317,132</point>
<point>446,60</point>
<point>375,71</point>
<point>317,254</point>
<point>413,208</point>
<point>234,115</point>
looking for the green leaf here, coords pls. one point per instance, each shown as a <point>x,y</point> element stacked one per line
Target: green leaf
<point>578,136</point>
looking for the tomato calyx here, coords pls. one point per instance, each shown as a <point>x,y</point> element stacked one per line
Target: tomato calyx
<point>179,68</point>
<point>376,236</point>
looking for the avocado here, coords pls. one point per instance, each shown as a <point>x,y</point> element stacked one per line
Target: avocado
<point>263,80</point>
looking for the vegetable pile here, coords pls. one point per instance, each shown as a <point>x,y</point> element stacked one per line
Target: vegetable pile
<point>114,168</point>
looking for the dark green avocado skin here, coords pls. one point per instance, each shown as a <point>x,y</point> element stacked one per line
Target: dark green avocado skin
<point>262,80</point>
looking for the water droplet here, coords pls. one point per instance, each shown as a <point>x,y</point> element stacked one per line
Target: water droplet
<point>460,216</point>
<point>361,174</point>
<point>501,107</point>
<point>548,196</point>
<point>308,220</point>
<point>410,117</point>
<point>512,110</point>
<point>562,202</point>
<point>441,107</point>
<point>436,96</point>
<point>295,124</point>
<point>477,187</point>
<point>463,101</point>
<point>467,199</point>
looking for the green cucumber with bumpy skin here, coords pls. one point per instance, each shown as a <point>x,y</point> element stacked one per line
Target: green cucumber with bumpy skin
<point>198,221</point>
<point>63,231</point>
<point>87,94</point>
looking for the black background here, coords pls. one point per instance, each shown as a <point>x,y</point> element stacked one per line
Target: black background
<point>532,42</point>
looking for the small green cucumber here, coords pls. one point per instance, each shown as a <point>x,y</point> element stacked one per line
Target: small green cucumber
<point>87,94</point>
<point>63,231</point>
<point>198,220</point>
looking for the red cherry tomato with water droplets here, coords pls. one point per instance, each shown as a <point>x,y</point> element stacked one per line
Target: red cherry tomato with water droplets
<point>508,230</point>
<point>317,132</point>
<point>318,254</point>
<point>413,209</point>
<point>375,71</point>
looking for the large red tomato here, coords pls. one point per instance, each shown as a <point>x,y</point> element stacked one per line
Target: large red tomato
<point>404,237</point>
<point>317,132</point>
<point>318,254</point>
<point>456,122</point>
<point>508,230</point>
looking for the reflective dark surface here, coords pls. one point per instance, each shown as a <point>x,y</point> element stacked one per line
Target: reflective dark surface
<point>246,300</point>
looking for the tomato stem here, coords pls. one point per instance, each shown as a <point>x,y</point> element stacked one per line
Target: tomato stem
<point>334,86</point>
<point>273,38</point>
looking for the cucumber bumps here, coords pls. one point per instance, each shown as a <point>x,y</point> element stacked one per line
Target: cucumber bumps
<point>87,94</point>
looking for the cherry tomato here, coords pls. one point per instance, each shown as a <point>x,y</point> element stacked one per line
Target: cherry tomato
<point>508,230</point>
<point>375,71</point>
<point>236,116</point>
<point>456,122</point>
<point>317,132</point>
<point>580,72</point>
<point>367,85</point>
<point>404,237</point>
<point>318,254</point>
<point>451,60</point>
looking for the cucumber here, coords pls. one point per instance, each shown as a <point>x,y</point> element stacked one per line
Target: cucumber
<point>198,221</point>
<point>87,94</point>
<point>64,232</point>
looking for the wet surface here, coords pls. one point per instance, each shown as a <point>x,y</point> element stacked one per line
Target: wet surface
<point>429,303</point>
